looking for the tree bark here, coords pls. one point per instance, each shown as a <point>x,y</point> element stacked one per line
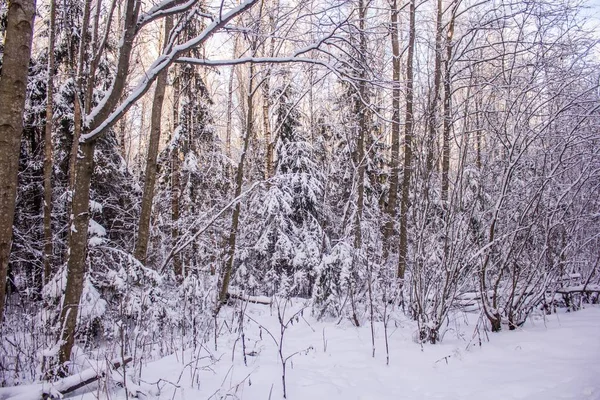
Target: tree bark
<point>83,164</point>
<point>431,139</point>
<point>239,180</point>
<point>266,88</point>
<point>447,109</point>
<point>77,112</point>
<point>395,148</point>
<point>13,87</point>
<point>77,251</point>
<point>141,247</point>
<point>361,110</point>
<point>230,102</point>
<point>48,162</point>
<point>407,167</point>
<point>175,189</point>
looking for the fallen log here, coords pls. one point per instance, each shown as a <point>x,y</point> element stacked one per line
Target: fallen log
<point>56,390</point>
<point>250,299</point>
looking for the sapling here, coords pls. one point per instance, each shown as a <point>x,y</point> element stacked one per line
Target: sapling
<point>284,324</point>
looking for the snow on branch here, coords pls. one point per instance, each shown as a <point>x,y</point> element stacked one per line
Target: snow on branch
<point>165,8</point>
<point>62,387</point>
<point>155,69</point>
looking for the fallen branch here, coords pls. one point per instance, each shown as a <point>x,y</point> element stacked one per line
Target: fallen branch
<point>58,389</point>
<point>250,299</point>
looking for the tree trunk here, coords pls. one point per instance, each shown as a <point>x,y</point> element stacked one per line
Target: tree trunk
<point>48,163</point>
<point>266,88</point>
<point>230,103</point>
<point>81,176</point>
<point>407,167</point>
<point>431,139</point>
<point>141,247</point>
<point>77,251</point>
<point>269,142</point>
<point>77,112</point>
<point>447,110</point>
<point>175,189</point>
<point>361,110</point>
<point>13,87</point>
<point>395,149</point>
<point>239,180</point>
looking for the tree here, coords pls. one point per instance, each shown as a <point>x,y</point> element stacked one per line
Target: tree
<point>100,119</point>
<point>141,247</point>
<point>13,85</point>
<point>408,146</point>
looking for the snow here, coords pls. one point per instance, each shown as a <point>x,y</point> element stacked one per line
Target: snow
<point>95,229</point>
<point>551,357</point>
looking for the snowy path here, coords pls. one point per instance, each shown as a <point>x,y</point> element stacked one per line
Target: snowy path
<point>555,359</point>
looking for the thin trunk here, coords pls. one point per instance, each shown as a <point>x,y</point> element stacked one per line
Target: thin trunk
<point>239,180</point>
<point>13,87</point>
<point>230,103</point>
<point>266,88</point>
<point>362,128</point>
<point>395,149</point>
<point>447,109</point>
<point>77,251</point>
<point>141,247</point>
<point>478,134</point>
<point>77,112</point>
<point>121,133</point>
<point>175,189</point>
<point>269,143</point>
<point>407,167</point>
<point>48,162</point>
<point>435,97</point>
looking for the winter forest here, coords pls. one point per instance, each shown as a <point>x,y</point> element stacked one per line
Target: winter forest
<point>318,199</point>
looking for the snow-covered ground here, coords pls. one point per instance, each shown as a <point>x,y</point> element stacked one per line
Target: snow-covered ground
<point>556,357</point>
<point>553,358</point>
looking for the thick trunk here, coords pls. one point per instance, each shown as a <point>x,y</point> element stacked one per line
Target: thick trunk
<point>407,167</point>
<point>13,87</point>
<point>141,247</point>
<point>395,148</point>
<point>48,162</point>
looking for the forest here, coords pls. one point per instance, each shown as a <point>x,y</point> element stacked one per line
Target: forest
<point>171,171</point>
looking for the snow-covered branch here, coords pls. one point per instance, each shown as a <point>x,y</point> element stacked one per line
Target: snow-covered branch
<point>165,8</point>
<point>155,69</point>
